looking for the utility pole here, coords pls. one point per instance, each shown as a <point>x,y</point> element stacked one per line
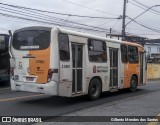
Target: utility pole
<point>110,32</point>
<point>123,22</point>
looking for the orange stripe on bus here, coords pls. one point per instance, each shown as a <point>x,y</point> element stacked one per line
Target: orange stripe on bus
<point>40,64</point>
<point>130,69</point>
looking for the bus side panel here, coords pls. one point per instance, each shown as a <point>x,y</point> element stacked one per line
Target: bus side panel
<point>129,70</point>
<point>54,55</point>
<point>65,80</point>
<point>121,73</point>
<point>101,70</point>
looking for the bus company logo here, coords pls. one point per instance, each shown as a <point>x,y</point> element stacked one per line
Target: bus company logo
<point>38,69</point>
<point>94,69</point>
<point>28,70</point>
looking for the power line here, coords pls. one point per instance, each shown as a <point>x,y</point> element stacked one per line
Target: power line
<point>105,23</point>
<point>51,12</point>
<point>8,10</point>
<point>155,30</point>
<point>137,29</point>
<point>33,20</point>
<point>115,24</point>
<point>36,16</point>
<point>144,8</point>
<point>31,10</point>
<point>88,7</point>
<point>136,1</point>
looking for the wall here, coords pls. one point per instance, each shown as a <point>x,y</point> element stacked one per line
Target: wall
<point>153,71</point>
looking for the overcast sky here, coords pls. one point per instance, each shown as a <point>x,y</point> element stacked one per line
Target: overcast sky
<point>100,8</point>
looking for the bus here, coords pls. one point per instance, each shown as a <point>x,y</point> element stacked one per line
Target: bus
<point>63,62</point>
<point>4,58</point>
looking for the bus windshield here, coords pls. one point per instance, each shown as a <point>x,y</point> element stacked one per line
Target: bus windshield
<point>31,40</point>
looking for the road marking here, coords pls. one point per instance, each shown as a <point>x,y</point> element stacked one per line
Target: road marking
<point>21,97</point>
<point>154,123</point>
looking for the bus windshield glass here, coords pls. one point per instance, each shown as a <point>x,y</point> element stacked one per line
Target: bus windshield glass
<point>31,40</point>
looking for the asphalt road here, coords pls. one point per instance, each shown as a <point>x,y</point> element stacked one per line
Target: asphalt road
<point>33,104</point>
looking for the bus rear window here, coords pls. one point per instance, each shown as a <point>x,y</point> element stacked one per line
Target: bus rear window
<point>31,40</point>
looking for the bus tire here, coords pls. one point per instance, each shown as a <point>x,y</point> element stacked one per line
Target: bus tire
<point>95,89</point>
<point>133,84</point>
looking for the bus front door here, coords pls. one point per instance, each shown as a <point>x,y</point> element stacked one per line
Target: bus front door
<point>77,67</point>
<point>113,69</point>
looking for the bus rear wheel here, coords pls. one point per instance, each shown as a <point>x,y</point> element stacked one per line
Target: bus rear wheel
<point>95,89</point>
<point>133,84</point>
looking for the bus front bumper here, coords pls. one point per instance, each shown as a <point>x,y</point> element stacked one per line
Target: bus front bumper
<point>48,88</point>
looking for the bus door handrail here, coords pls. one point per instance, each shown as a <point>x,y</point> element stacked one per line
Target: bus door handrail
<point>9,44</point>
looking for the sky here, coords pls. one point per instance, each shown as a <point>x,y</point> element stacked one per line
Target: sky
<point>146,25</point>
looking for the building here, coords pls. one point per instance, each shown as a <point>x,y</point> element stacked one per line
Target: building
<point>153,50</point>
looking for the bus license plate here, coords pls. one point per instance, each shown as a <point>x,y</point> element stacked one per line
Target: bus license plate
<point>29,78</point>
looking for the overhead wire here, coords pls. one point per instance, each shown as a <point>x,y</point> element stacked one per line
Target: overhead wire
<point>74,22</point>
<point>88,7</point>
<point>39,17</point>
<point>146,6</point>
<point>33,20</point>
<point>153,29</point>
<point>51,12</point>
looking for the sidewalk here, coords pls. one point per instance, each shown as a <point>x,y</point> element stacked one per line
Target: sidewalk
<point>142,105</point>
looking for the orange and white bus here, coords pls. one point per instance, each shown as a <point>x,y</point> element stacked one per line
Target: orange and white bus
<point>62,62</point>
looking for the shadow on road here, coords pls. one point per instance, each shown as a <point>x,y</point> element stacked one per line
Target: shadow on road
<point>46,105</point>
<point>56,101</point>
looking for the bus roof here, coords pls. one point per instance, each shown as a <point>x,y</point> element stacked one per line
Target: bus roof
<point>81,34</point>
<point>97,37</point>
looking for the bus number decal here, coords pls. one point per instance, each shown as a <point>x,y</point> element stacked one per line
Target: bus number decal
<point>65,66</point>
<point>39,61</point>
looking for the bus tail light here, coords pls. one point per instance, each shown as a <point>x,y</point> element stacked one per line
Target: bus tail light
<point>12,73</point>
<point>50,73</point>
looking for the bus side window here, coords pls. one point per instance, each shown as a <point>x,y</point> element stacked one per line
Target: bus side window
<point>133,54</point>
<point>97,51</point>
<point>124,53</point>
<point>64,47</point>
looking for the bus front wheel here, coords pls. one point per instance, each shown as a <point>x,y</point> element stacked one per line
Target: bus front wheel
<point>95,89</point>
<point>133,84</point>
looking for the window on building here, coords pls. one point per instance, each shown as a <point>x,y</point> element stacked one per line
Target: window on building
<point>124,53</point>
<point>97,51</point>
<point>64,47</point>
<point>158,49</point>
<point>132,54</point>
<point>149,49</point>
